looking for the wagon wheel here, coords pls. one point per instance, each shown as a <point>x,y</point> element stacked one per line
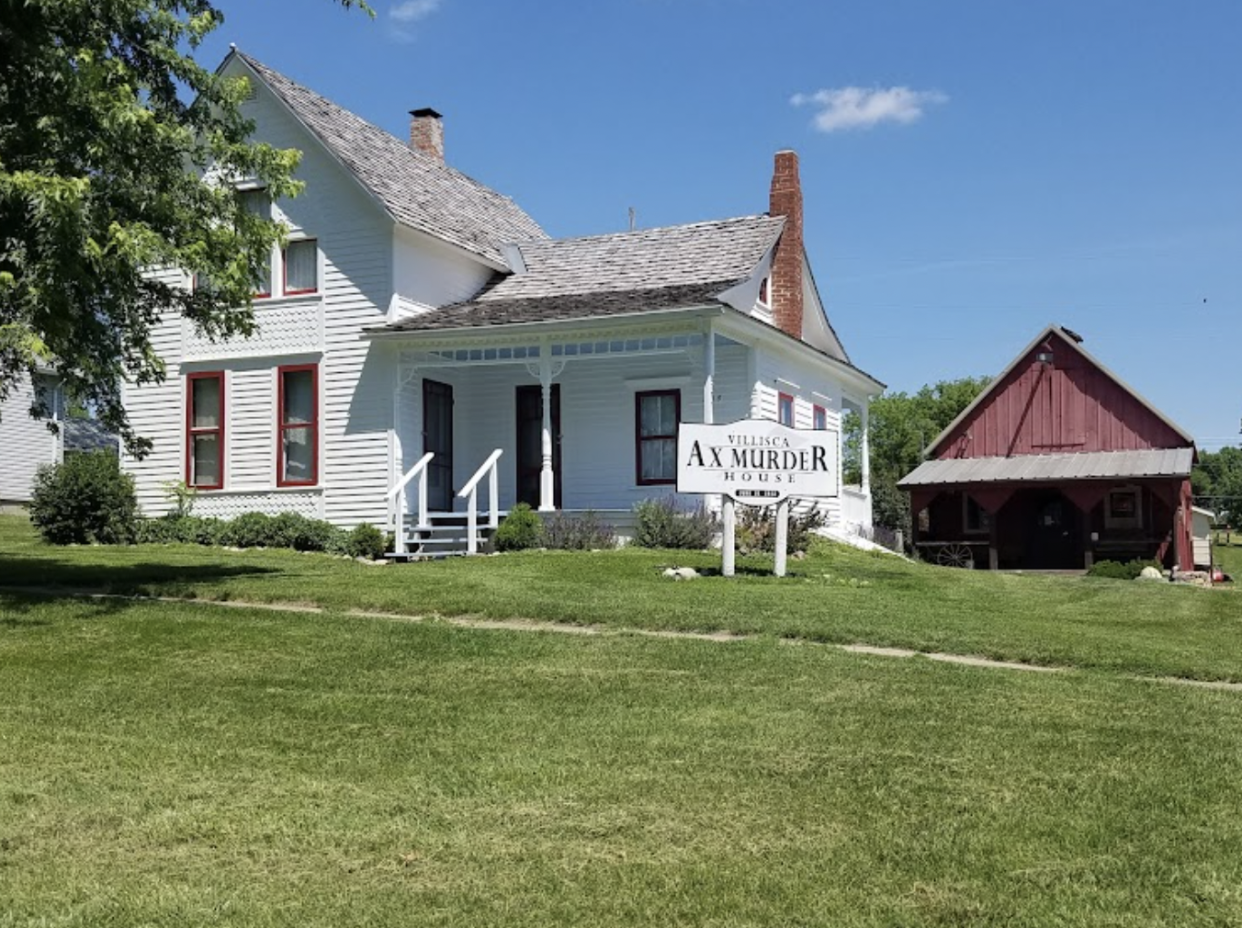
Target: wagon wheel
<point>955,556</point>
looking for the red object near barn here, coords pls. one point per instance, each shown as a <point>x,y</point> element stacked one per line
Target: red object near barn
<point>1057,464</point>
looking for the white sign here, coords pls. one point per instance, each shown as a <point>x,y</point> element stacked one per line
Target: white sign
<point>757,461</point>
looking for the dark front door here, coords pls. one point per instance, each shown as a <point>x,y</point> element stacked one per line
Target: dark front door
<point>1055,542</point>
<point>438,439</point>
<point>530,444</point>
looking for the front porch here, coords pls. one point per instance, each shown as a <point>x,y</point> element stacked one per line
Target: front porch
<point>576,420</point>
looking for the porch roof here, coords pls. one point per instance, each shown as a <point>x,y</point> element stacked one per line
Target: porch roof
<point>481,314</point>
<point>606,275</point>
<point>1093,465</point>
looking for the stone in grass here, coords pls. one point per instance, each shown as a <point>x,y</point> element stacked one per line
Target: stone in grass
<point>1150,573</point>
<point>369,562</point>
<point>681,573</point>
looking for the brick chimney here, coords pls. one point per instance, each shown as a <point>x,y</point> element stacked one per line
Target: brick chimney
<point>786,200</point>
<point>427,132</point>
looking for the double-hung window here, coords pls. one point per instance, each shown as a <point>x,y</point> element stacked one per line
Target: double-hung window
<point>301,264</point>
<point>785,409</point>
<point>297,427</point>
<point>257,202</point>
<point>819,418</point>
<point>204,438</point>
<point>656,415</point>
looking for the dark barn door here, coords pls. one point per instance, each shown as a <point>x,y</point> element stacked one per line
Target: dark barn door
<point>1055,542</point>
<point>438,439</point>
<point>530,444</point>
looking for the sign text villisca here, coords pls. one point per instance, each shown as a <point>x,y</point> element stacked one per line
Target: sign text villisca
<point>759,462</point>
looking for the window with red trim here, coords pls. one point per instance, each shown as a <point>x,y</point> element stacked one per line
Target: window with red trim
<point>656,414</point>
<point>297,426</point>
<point>819,418</point>
<point>204,432</point>
<point>301,266</point>
<point>785,409</point>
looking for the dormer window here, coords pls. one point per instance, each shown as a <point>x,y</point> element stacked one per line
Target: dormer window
<point>764,286</point>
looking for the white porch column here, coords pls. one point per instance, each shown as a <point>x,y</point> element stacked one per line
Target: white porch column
<point>709,373</point>
<point>864,452</point>
<point>547,486</point>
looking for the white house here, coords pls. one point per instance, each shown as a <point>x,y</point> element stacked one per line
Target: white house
<point>26,443</point>
<point>415,312</point>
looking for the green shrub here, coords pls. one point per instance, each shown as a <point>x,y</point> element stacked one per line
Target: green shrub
<point>291,530</point>
<point>521,529</point>
<point>250,530</point>
<point>195,530</point>
<point>1117,570</point>
<point>756,529</point>
<point>366,541</point>
<point>85,499</point>
<point>587,532</point>
<point>662,524</point>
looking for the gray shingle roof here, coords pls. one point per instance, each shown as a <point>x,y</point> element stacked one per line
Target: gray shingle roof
<point>418,190</point>
<point>625,272</point>
<point>557,308</point>
<point>1090,465</point>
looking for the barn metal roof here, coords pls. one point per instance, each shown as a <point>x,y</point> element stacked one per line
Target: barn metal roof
<point>1090,465</point>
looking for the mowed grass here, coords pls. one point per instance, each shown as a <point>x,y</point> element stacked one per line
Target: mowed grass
<point>1229,556</point>
<point>836,595</point>
<point>191,765</point>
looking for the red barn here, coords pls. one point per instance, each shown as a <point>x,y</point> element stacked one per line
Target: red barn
<point>1056,465</point>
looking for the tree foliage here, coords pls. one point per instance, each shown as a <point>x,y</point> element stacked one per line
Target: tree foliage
<point>117,156</point>
<point>1217,483</point>
<point>902,425</point>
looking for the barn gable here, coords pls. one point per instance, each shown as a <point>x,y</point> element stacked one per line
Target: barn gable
<point>1056,398</point>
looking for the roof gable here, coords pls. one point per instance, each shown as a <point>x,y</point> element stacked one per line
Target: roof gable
<point>1068,403</point>
<point>415,189</point>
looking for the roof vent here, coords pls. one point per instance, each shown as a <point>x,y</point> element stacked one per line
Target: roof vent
<point>1072,334</point>
<point>513,257</point>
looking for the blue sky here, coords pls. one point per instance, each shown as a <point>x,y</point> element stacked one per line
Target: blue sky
<point>973,169</point>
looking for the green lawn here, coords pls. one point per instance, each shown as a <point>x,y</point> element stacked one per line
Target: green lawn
<point>179,765</point>
<point>1230,556</point>
<point>838,595</point>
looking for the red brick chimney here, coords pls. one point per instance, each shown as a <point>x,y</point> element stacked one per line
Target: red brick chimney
<point>786,200</point>
<point>427,132</point>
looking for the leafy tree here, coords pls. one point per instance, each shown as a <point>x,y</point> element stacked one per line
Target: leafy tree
<point>902,426</point>
<point>113,140</point>
<point>1217,483</point>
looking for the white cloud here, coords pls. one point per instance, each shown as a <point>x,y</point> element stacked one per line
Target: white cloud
<point>861,108</point>
<point>403,15</point>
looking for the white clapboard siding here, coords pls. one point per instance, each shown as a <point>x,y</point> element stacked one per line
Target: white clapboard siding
<point>157,412</point>
<point>432,274</point>
<point>25,443</point>
<point>355,241</point>
<point>810,386</point>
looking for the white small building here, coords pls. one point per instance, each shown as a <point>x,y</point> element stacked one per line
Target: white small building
<point>416,312</point>
<point>1201,536</point>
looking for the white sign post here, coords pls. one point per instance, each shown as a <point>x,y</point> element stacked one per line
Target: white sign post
<point>757,462</point>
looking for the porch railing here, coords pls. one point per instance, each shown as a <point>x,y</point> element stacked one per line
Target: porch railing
<point>419,470</point>
<point>470,493</point>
